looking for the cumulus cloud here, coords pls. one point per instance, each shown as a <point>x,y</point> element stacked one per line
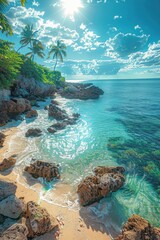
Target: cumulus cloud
<point>88,67</point>
<point>49,31</point>
<point>149,58</point>
<point>88,40</point>
<point>122,45</point>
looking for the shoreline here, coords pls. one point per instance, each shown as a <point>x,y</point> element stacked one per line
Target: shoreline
<point>74,226</point>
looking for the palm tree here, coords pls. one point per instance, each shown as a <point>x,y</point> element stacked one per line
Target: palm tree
<point>36,49</point>
<point>28,36</point>
<point>58,51</point>
<point>4,23</point>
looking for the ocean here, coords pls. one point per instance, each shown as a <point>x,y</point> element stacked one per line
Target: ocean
<point>121,128</point>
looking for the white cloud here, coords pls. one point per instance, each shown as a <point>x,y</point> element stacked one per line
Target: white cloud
<point>117,17</point>
<point>137,27</point>
<point>49,31</point>
<point>35,3</point>
<point>88,67</point>
<point>122,45</point>
<point>82,26</point>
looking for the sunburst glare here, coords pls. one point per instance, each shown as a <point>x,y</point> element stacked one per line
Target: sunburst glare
<point>71,7</point>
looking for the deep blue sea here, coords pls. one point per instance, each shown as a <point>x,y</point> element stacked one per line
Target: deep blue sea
<point>121,128</point>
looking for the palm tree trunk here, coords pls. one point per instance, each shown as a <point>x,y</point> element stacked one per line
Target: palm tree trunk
<point>22,47</point>
<point>55,64</point>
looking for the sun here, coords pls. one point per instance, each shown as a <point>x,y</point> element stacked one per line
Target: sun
<point>71,7</point>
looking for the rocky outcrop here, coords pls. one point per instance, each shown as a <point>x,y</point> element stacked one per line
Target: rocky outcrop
<point>2,138</point>
<point>38,220</point>
<point>56,112</point>
<point>7,163</point>
<point>80,91</point>
<point>33,132</point>
<point>48,171</point>
<point>12,207</point>
<point>31,88</point>
<point>10,109</point>
<point>105,181</point>
<point>5,95</point>
<point>63,124</point>
<point>15,232</point>
<point>32,114</point>
<point>7,188</point>
<point>137,228</point>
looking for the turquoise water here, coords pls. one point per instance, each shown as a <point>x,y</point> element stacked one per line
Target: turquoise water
<point>120,128</point>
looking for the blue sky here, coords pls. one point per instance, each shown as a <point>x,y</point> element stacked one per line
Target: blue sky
<point>104,38</point>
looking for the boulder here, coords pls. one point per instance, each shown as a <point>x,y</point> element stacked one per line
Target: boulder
<point>12,207</point>
<point>137,228</point>
<point>2,138</point>
<point>38,220</point>
<point>48,171</point>
<point>46,107</point>
<point>31,88</point>
<point>32,114</point>
<point>51,130</point>
<point>15,232</point>
<point>10,109</point>
<point>54,102</point>
<point>81,91</point>
<point>7,188</point>
<point>7,163</point>
<point>56,112</point>
<point>33,132</point>
<point>105,181</point>
<point>59,126</point>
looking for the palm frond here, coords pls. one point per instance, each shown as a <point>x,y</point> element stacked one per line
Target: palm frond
<point>3,4</point>
<point>5,25</point>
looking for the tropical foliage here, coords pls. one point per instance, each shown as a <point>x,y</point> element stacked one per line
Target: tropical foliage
<point>58,51</point>
<point>36,49</point>
<point>28,36</point>
<point>10,64</point>
<point>13,64</point>
<point>4,23</point>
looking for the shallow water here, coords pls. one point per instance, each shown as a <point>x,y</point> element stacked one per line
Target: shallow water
<point>120,128</point>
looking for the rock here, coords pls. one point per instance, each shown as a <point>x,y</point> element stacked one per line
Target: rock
<point>7,163</point>
<point>10,109</point>
<point>38,220</point>
<point>12,207</point>
<point>31,88</point>
<point>51,130</point>
<point>46,107</point>
<point>2,138</point>
<point>56,112</point>
<point>137,228</point>
<point>81,91</point>
<point>32,114</point>
<point>54,102</point>
<point>59,126</point>
<point>7,188</point>
<point>7,223</point>
<point>15,232</point>
<point>76,115</point>
<point>33,132</point>
<point>48,171</point>
<point>105,181</point>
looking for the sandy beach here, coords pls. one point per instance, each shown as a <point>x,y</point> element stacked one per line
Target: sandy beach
<point>74,224</point>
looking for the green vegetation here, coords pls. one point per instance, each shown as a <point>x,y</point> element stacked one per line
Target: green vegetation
<point>13,64</point>
<point>4,23</point>
<point>58,51</point>
<point>10,64</point>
